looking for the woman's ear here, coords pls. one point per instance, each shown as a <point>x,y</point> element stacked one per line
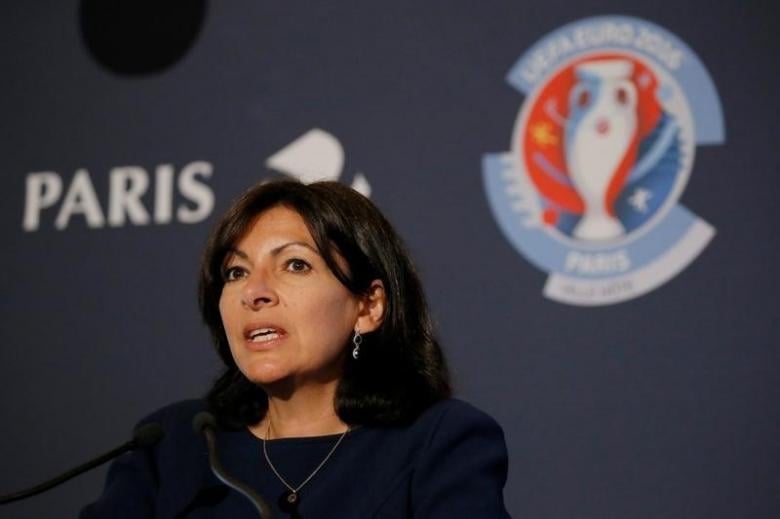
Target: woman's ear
<point>372,308</point>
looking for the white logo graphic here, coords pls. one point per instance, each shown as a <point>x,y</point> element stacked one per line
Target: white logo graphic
<point>315,155</point>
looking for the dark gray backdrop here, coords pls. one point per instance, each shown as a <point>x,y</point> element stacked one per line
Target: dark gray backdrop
<point>663,406</point>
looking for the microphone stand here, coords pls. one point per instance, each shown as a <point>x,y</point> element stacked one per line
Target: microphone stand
<point>145,436</point>
<point>205,423</point>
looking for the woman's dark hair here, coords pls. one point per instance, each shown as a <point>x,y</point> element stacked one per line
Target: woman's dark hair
<point>401,370</point>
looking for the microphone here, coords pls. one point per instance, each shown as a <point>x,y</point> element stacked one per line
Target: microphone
<point>205,423</point>
<point>146,435</point>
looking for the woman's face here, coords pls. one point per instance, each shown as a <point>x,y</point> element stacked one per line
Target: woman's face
<point>286,316</point>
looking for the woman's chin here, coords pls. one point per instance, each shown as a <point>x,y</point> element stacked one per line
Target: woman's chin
<point>265,374</point>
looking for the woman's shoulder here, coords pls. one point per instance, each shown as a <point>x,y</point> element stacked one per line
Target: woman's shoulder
<point>452,413</point>
<point>176,419</point>
<point>443,425</point>
<point>176,412</point>
<point>453,457</point>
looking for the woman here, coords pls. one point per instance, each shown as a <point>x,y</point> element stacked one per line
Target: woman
<point>335,398</point>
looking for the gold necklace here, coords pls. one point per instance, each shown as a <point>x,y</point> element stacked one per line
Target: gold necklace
<point>290,499</point>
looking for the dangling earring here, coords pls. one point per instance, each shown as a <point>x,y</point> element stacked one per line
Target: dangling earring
<point>357,339</point>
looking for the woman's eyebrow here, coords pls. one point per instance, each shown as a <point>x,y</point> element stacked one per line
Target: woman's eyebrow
<point>276,250</point>
<point>232,251</point>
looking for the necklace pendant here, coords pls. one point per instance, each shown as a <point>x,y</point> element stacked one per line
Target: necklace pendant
<point>289,501</point>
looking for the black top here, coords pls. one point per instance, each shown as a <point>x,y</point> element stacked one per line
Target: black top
<point>451,462</point>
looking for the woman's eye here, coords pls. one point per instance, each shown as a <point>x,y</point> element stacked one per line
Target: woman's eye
<point>297,265</point>
<point>233,273</point>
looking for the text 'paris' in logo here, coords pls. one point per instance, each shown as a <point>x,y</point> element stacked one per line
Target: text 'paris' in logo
<point>601,152</point>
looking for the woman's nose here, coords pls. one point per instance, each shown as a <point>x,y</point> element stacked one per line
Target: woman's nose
<point>258,293</point>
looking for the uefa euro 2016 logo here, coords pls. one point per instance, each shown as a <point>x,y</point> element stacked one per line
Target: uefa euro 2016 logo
<point>601,152</point>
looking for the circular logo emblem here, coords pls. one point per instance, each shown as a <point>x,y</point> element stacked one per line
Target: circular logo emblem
<point>602,149</point>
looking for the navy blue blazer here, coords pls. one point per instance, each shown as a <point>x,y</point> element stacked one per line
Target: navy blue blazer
<point>451,462</point>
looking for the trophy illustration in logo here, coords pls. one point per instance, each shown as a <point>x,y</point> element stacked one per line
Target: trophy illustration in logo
<point>601,142</point>
<point>601,152</point>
